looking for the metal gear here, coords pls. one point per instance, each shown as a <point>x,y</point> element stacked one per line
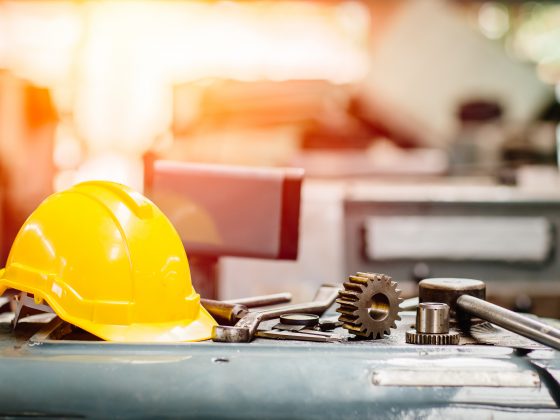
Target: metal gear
<point>369,305</point>
<point>450,338</point>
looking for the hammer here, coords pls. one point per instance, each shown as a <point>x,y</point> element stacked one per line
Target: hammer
<point>466,297</point>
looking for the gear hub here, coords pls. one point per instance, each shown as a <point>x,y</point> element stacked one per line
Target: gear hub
<point>369,305</point>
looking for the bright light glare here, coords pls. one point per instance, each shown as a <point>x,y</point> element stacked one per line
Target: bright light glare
<point>112,167</point>
<point>112,65</point>
<point>67,149</point>
<point>538,37</point>
<point>493,20</point>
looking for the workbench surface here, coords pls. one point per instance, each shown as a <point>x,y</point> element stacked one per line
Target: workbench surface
<point>274,379</point>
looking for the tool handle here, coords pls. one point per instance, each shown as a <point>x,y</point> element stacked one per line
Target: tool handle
<point>512,321</point>
<point>224,311</point>
<point>325,297</point>
<point>265,300</point>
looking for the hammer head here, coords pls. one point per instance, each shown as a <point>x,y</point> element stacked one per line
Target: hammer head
<point>447,290</point>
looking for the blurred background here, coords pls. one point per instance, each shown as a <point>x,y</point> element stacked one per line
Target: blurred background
<point>428,130</point>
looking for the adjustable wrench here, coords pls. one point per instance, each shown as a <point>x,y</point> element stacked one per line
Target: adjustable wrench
<point>244,330</point>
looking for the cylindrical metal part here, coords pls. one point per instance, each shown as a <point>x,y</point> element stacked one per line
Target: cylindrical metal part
<point>222,311</point>
<point>432,318</point>
<point>308,320</point>
<point>512,321</point>
<point>265,300</point>
<point>447,290</point>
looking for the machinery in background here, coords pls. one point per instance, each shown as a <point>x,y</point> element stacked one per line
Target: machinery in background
<point>503,235</point>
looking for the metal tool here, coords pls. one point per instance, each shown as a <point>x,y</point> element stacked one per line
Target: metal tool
<point>512,321</point>
<point>244,330</point>
<point>264,300</point>
<point>307,320</point>
<point>231,311</point>
<point>223,311</point>
<point>448,290</point>
<point>297,322</point>
<point>302,335</point>
<point>432,325</point>
<point>369,305</point>
<point>459,293</point>
<point>25,305</point>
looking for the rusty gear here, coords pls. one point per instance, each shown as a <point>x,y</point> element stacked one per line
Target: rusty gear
<point>369,305</point>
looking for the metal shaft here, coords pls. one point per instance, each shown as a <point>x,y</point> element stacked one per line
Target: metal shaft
<point>512,321</point>
<point>265,300</point>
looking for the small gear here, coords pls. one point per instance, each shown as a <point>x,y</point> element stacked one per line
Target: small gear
<point>369,305</point>
<point>450,338</point>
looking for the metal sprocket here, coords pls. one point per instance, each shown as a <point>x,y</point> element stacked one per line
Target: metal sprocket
<point>369,305</point>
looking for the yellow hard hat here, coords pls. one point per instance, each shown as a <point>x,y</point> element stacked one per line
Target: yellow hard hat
<point>106,259</point>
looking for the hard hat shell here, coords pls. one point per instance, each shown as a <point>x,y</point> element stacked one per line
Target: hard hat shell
<point>106,259</point>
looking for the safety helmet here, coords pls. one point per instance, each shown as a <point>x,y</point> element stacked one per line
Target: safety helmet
<point>106,259</point>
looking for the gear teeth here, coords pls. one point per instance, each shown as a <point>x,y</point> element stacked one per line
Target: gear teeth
<point>349,319</point>
<point>372,276</point>
<point>358,280</point>
<point>353,286</point>
<point>347,311</point>
<point>356,301</point>
<point>346,294</point>
<point>451,338</point>
<point>356,329</point>
<point>344,302</point>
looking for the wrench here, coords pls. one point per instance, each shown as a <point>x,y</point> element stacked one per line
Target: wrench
<point>244,330</point>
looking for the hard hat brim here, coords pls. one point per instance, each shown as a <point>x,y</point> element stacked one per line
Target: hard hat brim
<point>199,329</point>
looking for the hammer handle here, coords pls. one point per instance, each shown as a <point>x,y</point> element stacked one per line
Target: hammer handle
<point>511,321</point>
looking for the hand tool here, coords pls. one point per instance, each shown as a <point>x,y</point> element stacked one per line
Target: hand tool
<point>512,321</point>
<point>224,312</point>
<point>231,311</point>
<point>264,300</point>
<point>432,325</point>
<point>303,335</point>
<point>23,305</point>
<point>244,330</point>
<point>447,290</point>
<point>369,305</point>
<point>459,292</point>
<point>297,322</point>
